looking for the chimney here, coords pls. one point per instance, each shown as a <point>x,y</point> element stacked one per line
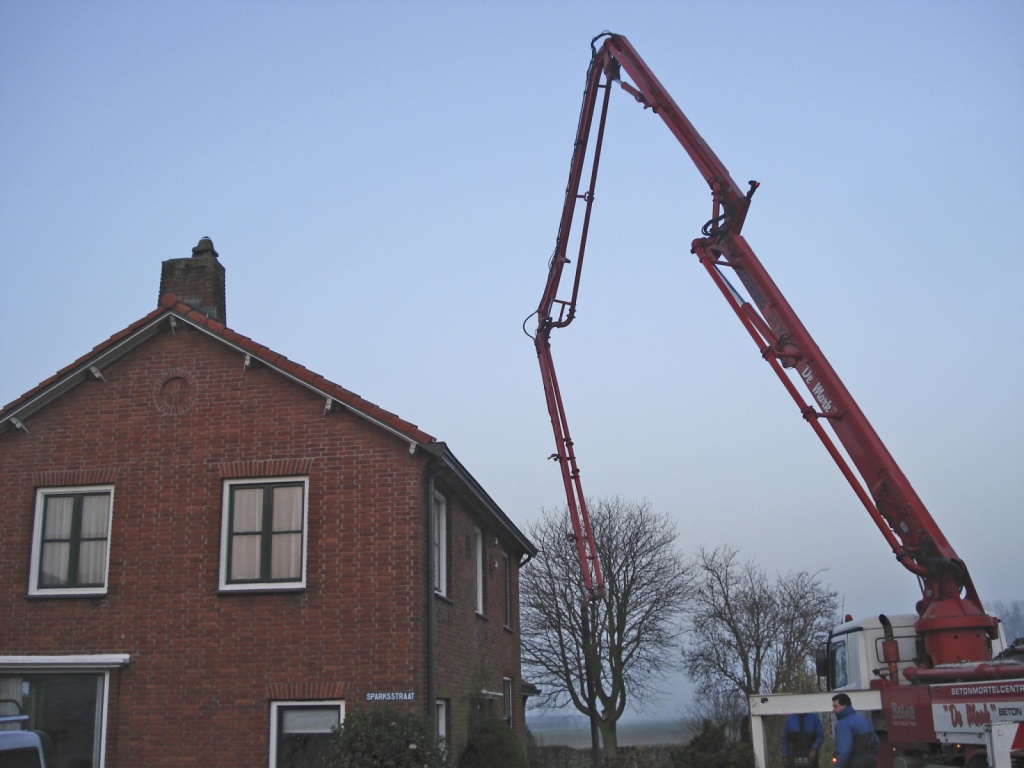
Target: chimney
<point>197,281</point>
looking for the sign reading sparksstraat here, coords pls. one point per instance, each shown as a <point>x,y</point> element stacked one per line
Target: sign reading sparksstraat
<point>391,696</point>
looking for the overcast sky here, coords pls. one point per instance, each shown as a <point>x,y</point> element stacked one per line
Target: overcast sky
<point>383,182</point>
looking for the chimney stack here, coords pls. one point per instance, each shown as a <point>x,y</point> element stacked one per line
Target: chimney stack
<point>197,281</point>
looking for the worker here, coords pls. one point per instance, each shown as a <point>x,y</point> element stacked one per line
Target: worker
<point>856,740</point>
<point>802,736</point>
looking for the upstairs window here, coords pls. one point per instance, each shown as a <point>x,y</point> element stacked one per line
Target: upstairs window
<point>506,590</point>
<point>439,540</point>
<point>481,555</point>
<point>70,546</point>
<point>264,534</point>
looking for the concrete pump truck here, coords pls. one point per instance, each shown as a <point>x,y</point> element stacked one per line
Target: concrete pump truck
<point>938,684</point>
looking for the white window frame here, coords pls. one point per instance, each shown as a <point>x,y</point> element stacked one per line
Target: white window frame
<point>478,544</point>
<point>225,536</point>
<point>34,589</point>
<point>440,712</point>
<point>506,699</point>
<point>276,706</point>
<point>439,533</point>
<point>506,589</point>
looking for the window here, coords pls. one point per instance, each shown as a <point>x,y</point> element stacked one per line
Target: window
<point>69,706</point>
<point>506,699</point>
<point>301,730</point>
<point>839,666</point>
<point>439,537</point>
<point>506,590</point>
<point>441,711</point>
<point>70,546</point>
<point>263,541</point>
<point>478,539</point>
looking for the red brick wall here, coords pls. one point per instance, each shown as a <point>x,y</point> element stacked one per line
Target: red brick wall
<point>204,666</point>
<point>475,652</point>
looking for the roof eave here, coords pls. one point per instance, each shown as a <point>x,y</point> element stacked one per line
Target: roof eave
<point>90,367</point>
<point>87,368</point>
<point>441,451</point>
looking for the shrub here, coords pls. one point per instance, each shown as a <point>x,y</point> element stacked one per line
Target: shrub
<point>711,748</point>
<point>384,737</point>
<point>492,744</point>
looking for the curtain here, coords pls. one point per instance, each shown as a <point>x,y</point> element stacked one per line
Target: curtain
<point>246,527</point>
<point>286,544</point>
<point>92,553</point>
<point>56,553</point>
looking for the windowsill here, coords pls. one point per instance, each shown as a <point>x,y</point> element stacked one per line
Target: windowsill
<point>481,616</point>
<point>261,589</point>
<point>64,595</point>
<point>444,598</point>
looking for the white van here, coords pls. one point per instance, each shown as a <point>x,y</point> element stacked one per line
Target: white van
<point>21,749</point>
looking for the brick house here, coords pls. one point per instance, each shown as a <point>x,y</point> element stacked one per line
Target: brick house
<point>211,553</point>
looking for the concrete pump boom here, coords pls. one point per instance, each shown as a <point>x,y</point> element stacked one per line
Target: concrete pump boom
<point>951,619</point>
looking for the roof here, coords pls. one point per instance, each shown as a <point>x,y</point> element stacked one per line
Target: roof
<point>92,363</point>
<point>171,310</point>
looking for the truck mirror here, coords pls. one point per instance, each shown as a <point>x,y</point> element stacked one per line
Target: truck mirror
<point>821,660</point>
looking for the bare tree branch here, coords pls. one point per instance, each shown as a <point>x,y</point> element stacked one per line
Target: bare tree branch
<point>750,634</point>
<point>635,628</point>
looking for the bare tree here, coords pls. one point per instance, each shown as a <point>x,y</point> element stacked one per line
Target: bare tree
<point>634,630</point>
<point>751,634</point>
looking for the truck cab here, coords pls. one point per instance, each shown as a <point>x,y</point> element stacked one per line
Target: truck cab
<point>854,657</point>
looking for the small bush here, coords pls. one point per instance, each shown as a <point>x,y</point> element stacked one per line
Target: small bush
<point>384,737</point>
<point>492,744</point>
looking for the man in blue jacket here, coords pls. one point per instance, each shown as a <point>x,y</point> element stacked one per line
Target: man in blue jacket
<point>856,740</point>
<point>802,735</point>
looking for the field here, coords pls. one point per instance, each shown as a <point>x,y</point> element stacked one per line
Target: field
<point>572,731</point>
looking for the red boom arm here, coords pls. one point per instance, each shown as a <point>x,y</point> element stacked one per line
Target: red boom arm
<point>951,620</point>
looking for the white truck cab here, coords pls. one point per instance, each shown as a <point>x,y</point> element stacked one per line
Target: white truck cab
<point>855,655</point>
